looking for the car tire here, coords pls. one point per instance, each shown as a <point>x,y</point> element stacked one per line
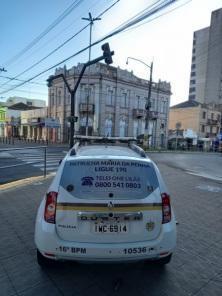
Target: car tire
<point>164,261</point>
<point>43,261</point>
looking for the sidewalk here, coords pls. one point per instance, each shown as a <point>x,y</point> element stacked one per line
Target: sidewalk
<point>195,269</point>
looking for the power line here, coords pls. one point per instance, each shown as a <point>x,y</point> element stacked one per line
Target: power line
<point>11,78</point>
<point>167,12</point>
<point>46,31</point>
<point>95,3</point>
<point>32,92</point>
<point>115,32</point>
<point>61,45</point>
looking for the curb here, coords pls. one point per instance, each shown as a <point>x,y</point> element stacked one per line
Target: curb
<point>24,182</point>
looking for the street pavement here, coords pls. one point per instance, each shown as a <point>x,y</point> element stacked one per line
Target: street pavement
<point>207,165</point>
<point>20,164</point>
<point>196,267</point>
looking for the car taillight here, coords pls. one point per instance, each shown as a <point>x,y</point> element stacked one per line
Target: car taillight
<point>166,208</point>
<point>50,207</point>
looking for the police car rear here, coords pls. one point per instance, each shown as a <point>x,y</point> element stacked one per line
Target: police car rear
<point>107,203</point>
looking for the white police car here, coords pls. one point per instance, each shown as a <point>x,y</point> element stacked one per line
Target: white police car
<point>107,202</point>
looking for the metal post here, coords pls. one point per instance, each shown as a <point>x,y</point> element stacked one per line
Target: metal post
<point>91,22</point>
<point>148,105</point>
<point>72,121</point>
<point>45,162</point>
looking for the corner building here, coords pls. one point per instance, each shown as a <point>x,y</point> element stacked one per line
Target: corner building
<point>116,104</point>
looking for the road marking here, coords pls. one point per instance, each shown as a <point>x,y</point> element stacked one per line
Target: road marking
<point>14,165</point>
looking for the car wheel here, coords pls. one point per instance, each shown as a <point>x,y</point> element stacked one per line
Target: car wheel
<point>164,260</point>
<point>43,261</point>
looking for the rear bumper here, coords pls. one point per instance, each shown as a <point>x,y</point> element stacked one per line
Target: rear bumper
<point>47,241</point>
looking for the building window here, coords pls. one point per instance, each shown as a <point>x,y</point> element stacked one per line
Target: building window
<point>193,58</point>
<point>68,98</point>
<point>137,102</point>
<point>123,127</point>
<point>193,74</point>
<point>165,107</point>
<point>83,121</point>
<point>59,98</point>
<point>52,101</point>
<point>212,115</point>
<point>193,66</point>
<point>110,98</point>
<point>109,126</point>
<point>202,128</point>
<point>85,93</point>
<point>204,115</point>
<point>192,97</point>
<point>194,42</point>
<point>218,117</point>
<point>192,89</point>
<point>124,100</point>
<point>192,81</point>
<point>194,50</point>
<point>162,106</point>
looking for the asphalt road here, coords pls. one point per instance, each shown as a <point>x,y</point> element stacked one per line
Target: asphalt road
<point>207,165</point>
<point>195,269</point>
<point>26,163</point>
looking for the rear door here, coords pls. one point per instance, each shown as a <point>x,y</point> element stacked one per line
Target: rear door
<point>108,200</point>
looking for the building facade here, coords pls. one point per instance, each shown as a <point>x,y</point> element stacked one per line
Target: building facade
<point>204,120</point>
<point>10,124</point>
<point>36,125</point>
<point>206,66</point>
<point>112,101</point>
<point>29,102</point>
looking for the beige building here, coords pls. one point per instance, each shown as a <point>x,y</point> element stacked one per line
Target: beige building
<point>11,126</point>
<point>116,104</point>
<point>204,120</point>
<point>32,124</point>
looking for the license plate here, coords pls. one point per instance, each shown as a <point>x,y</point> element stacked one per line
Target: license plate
<point>110,228</point>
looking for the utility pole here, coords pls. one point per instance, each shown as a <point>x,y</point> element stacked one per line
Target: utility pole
<point>147,107</point>
<point>148,103</point>
<point>91,21</point>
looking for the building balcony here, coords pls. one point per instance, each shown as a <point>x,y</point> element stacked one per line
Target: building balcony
<point>84,108</point>
<point>153,115</point>
<point>139,113</point>
<point>213,121</point>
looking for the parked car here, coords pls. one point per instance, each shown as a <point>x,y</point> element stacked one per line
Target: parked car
<point>107,202</point>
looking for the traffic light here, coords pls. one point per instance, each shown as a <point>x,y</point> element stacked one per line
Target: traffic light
<point>107,53</point>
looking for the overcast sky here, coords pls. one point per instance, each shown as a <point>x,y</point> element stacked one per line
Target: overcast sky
<point>166,40</point>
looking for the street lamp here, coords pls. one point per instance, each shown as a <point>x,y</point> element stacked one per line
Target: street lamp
<point>148,103</point>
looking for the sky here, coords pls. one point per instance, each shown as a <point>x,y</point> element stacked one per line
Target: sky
<point>166,40</point>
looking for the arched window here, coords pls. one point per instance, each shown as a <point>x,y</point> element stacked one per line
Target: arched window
<point>83,121</point>
<point>108,127</point>
<point>123,127</point>
<point>59,98</point>
<point>135,128</point>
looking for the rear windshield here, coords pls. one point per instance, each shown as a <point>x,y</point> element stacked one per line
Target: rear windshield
<point>99,179</point>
